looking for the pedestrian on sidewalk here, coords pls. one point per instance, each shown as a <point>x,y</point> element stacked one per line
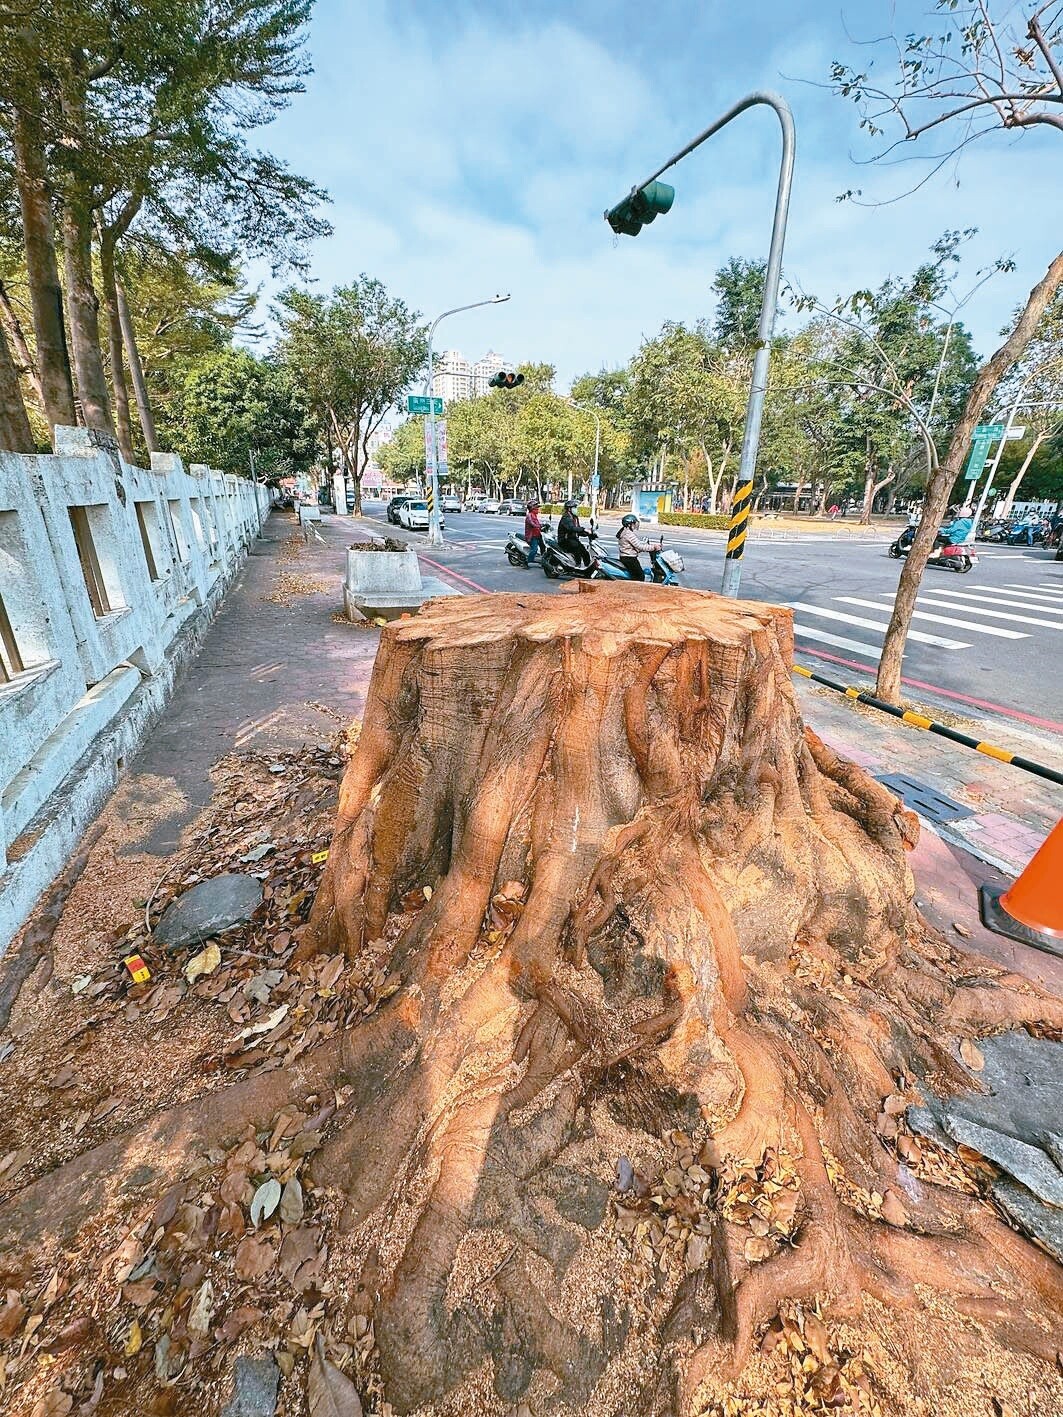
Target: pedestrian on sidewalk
<point>533,532</point>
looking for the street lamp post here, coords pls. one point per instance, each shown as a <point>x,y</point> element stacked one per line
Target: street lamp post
<point>435,530</point>
<point>758,386</point>
<point>597,454</point>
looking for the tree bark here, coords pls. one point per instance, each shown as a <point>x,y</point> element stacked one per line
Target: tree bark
<point>83,311</point>
<point>16,435</point>
<point>20,350</point>
<point>46,295</point>
<point>942,477</point>
<point>670,941</point>
<point>1027,460</point>
<point>585,787</point>
<point>119,388</point>
<point>136,373</point>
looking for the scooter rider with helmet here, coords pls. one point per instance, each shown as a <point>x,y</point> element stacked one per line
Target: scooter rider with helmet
<point>632,546</point>
<point>569,533</point>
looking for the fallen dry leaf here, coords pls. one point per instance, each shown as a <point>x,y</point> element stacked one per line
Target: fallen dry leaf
<point>972,1055</point>
<point>758,1247</point>
<point>329,1393</point>
<point>961,930</point>
<point>12,1314</point>
<point>291,1205</point>
<point>134,1339</point>
<point>253,1258</point>
<point>54,1404</point>
<point>893,1213</point>
<point>206,962</point>
<point>202,1309</point>
<point>265,1201</point>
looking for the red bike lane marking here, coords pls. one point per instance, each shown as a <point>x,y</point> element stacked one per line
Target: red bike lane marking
<point>1048,723</point>
<point>452,574</point>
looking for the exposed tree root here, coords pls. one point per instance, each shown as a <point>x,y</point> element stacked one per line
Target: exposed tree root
<point>670,939</point>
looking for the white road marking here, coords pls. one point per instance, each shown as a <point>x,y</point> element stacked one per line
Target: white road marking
<point>1014,598</point>
<point>810,632</point>
<point>876,624</point>
<point>1052,593</point>
<point>950,604</point>
<point>938,619</point>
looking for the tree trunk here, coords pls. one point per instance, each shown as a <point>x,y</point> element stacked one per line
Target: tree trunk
<point>136,373</point>
<point>584,790</point>
<point>16,435</point>
<point>665,923</point>
<point>20,350</point>
<point>941,478</point>
<point>1027,460</point>
<point>46,295</point>
<point>119,388</point>
<point>83,311</point>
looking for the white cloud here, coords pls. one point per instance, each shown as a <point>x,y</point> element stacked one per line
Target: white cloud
<point>474,152</point>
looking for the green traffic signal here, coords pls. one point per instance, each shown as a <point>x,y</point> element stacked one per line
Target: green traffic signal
<point>642,206</point>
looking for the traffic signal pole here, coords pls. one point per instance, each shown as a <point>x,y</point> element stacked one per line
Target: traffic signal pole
<point>435,529</point>
<point>628,213</point>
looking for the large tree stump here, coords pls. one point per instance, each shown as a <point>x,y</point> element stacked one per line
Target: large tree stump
<point>639,912</point>
<point>657,995</point>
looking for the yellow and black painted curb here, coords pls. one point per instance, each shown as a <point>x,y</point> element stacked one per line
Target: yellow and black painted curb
<point>736,532</point>
<point>918,720</point>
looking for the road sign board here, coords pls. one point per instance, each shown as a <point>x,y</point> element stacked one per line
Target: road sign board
<point>1015,434</point>
<point>984,436</point>
<point>421,403</point>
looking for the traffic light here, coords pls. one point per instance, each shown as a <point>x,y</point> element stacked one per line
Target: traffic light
<point>628,217</point>
<point>505,381</point>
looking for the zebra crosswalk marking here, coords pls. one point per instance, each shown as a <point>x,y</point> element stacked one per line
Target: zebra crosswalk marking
<point>984,610</point>
<point>812,632</point>
<point>996,630</point>
<point>1049,592</point>
<point>987,600</point>
<point>866,624</point>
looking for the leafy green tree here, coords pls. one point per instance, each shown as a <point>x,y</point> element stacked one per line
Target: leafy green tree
<point>354,353</point>
<point>402,456</point>
<point>244,415</point>
<point>1037,382</point>
<point>739,289</point>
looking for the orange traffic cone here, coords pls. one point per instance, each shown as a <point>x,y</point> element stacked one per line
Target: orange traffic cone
<point>1031,909</point>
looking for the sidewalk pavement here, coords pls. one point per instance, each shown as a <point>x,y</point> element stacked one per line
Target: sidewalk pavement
<point>281,667</point>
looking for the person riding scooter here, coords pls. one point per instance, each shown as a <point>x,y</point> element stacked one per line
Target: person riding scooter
<point>533,532</point>
<point>632,547</point>
<point>958,529</point>
<point>569,533</point>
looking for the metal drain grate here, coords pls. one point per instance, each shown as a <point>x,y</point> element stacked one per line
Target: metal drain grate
<point>928,802</point>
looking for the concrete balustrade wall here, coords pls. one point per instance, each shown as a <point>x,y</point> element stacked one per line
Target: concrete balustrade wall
<point>109,577</point>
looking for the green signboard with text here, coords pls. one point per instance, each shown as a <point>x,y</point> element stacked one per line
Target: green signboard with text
<point>985,435</point>
<point>421,403</point>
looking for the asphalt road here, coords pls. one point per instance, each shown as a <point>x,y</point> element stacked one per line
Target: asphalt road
<point>991,640</point>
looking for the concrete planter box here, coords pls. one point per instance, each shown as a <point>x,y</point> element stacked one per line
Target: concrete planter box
<point>386,583</point>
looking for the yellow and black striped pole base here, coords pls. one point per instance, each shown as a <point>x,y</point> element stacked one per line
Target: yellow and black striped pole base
<point>736,532</point>
<point>736,539</point>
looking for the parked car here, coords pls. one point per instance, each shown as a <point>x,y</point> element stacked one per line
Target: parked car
<point>512,507</point>
<point>489,504</point>
<point>393,509</point>
<point>450,504</point>
<point>413,515</point>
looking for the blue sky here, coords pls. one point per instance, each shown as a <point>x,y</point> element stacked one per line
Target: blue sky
<point>472,147</point>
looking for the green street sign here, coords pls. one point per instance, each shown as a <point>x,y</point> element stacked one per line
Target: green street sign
<point>985,435</point>
<point>420,403</point>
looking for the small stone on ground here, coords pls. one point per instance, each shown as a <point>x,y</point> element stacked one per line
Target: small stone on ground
<point>206,909</point>
<point>256,1381</point>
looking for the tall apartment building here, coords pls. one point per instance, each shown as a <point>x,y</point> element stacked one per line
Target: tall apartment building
<point>484,370</point>
<point>453,376</point>
<point>456,378</point>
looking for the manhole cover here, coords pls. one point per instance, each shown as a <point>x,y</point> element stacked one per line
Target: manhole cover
<point>928,802</point>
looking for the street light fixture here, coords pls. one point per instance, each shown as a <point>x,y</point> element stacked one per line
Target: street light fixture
<point>652,198</point>
<point>435,530</point>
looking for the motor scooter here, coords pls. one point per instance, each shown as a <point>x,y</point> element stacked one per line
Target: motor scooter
<point>953,556</point>
<point>557,562</point>
<point>518,550</point>
<point>665,566</point>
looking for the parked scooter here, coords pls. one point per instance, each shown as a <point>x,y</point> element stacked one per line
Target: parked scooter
<point>953,556</point>
<point>666,566</point>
